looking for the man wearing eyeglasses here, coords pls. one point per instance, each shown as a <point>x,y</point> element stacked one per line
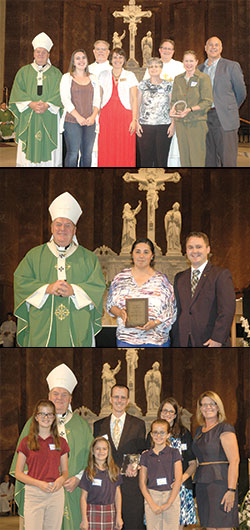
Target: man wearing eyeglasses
<point>126,435</point>
<point>171,67</point>
<point>101,54</point>
<point>61,382</point>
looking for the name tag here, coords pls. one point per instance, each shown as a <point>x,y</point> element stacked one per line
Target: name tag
<point>52,447</point>
<point>183,447</point>
<point>193,83</point>
<point>161,481</point>
<point>97,482</point>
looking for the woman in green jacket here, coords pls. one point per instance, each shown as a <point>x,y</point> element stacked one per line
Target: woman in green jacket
<point>194,89</point>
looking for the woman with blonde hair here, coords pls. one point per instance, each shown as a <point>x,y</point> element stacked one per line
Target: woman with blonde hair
<point>216,449</point>
<point>80,95</point>
<point>101,496</point>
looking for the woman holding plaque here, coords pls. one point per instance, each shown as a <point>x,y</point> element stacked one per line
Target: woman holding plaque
<point>154,127</point>
<point>216,449</point>
<point>154,300</point>
<point>191,98</point>
<point>116,145</point>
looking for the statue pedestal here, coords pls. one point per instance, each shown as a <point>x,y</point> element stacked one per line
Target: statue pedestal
<point>133,66</point>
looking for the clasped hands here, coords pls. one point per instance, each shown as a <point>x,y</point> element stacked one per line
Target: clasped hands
<point>60,288</point>
<point>39,107</point>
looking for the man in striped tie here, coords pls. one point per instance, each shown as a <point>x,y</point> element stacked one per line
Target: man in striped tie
<point>126,435</point>
<point>205,299</point>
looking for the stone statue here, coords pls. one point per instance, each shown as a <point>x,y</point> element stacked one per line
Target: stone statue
<point>117,40</point>
<point>173,223</point>
<point>132,15</point>
<point>129,226</point>
<point>152,383</point>
<point>146,48</point>
<point>108,380</point>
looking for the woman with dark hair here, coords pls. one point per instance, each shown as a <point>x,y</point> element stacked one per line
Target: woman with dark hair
<point>80,95</point>
<point>116,145</point>
<point>181,439</point>
<point>216,449</point>
<point>142,281</point>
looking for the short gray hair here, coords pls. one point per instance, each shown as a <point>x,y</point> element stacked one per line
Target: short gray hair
<point>155,60</point>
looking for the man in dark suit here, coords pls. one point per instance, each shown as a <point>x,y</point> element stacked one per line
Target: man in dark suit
<point>205,299</point>
<point>126,435</point>
<point>229,92</point>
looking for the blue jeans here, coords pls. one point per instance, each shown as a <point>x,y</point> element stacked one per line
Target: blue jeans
<point>123,344</point>
<point>78,138</point>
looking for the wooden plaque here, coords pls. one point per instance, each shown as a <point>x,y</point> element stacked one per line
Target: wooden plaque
<point>137,312</point>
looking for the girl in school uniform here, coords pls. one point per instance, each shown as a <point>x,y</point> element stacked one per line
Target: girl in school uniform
<point>43,451</point>
<point>160,480</point>
<point>101,495</point>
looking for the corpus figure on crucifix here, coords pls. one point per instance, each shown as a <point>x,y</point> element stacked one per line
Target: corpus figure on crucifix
<point>152,180</point>
<point>132,15</point>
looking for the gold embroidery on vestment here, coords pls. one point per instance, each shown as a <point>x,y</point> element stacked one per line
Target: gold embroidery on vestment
<point>38,136</point>
<point>62,312</point>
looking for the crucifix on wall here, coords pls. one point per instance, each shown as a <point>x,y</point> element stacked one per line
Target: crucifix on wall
<point>152,180</point>
<point>132,15</point>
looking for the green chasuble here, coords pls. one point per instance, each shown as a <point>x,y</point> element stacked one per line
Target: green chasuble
<point>79,438</point>
<point>58,322</point>
<point>38,132</point>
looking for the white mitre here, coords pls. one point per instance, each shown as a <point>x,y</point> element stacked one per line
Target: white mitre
<point>42,40</point>
<point>65,206</point>
<point>62,377</point>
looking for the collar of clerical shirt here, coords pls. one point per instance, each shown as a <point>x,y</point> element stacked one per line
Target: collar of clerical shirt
<point>62,420</point>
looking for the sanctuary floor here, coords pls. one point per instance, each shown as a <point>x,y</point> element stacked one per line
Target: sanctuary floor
<point>8,154</point>
<point>11,523</point>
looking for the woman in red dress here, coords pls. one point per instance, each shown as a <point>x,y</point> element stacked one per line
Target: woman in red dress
<point>116,147</point>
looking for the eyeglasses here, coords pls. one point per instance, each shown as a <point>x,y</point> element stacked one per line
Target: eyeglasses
<point>208,405</point>
<point>166,48</point>
<point>122,398</point>
<point>44,415</point>
<point>169,412</point>
<point>159,433</point>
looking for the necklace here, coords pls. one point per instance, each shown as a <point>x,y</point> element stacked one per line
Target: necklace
<point>116,77</point>
<point>205,429</point>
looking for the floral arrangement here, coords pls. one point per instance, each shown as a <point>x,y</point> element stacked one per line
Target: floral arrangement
<point>244,513</point>
<point>245,325</point>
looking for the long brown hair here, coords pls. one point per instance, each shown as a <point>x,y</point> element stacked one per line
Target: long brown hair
<point>177,428</point>
<point>71,63</point>
<point>32,442</point>
<point>112,468</point>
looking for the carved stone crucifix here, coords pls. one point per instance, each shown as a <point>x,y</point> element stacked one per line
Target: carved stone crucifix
<point>132,15</point>
<point>152,180</point>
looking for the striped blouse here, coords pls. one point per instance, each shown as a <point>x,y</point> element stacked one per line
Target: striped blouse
<point>161,306</point>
